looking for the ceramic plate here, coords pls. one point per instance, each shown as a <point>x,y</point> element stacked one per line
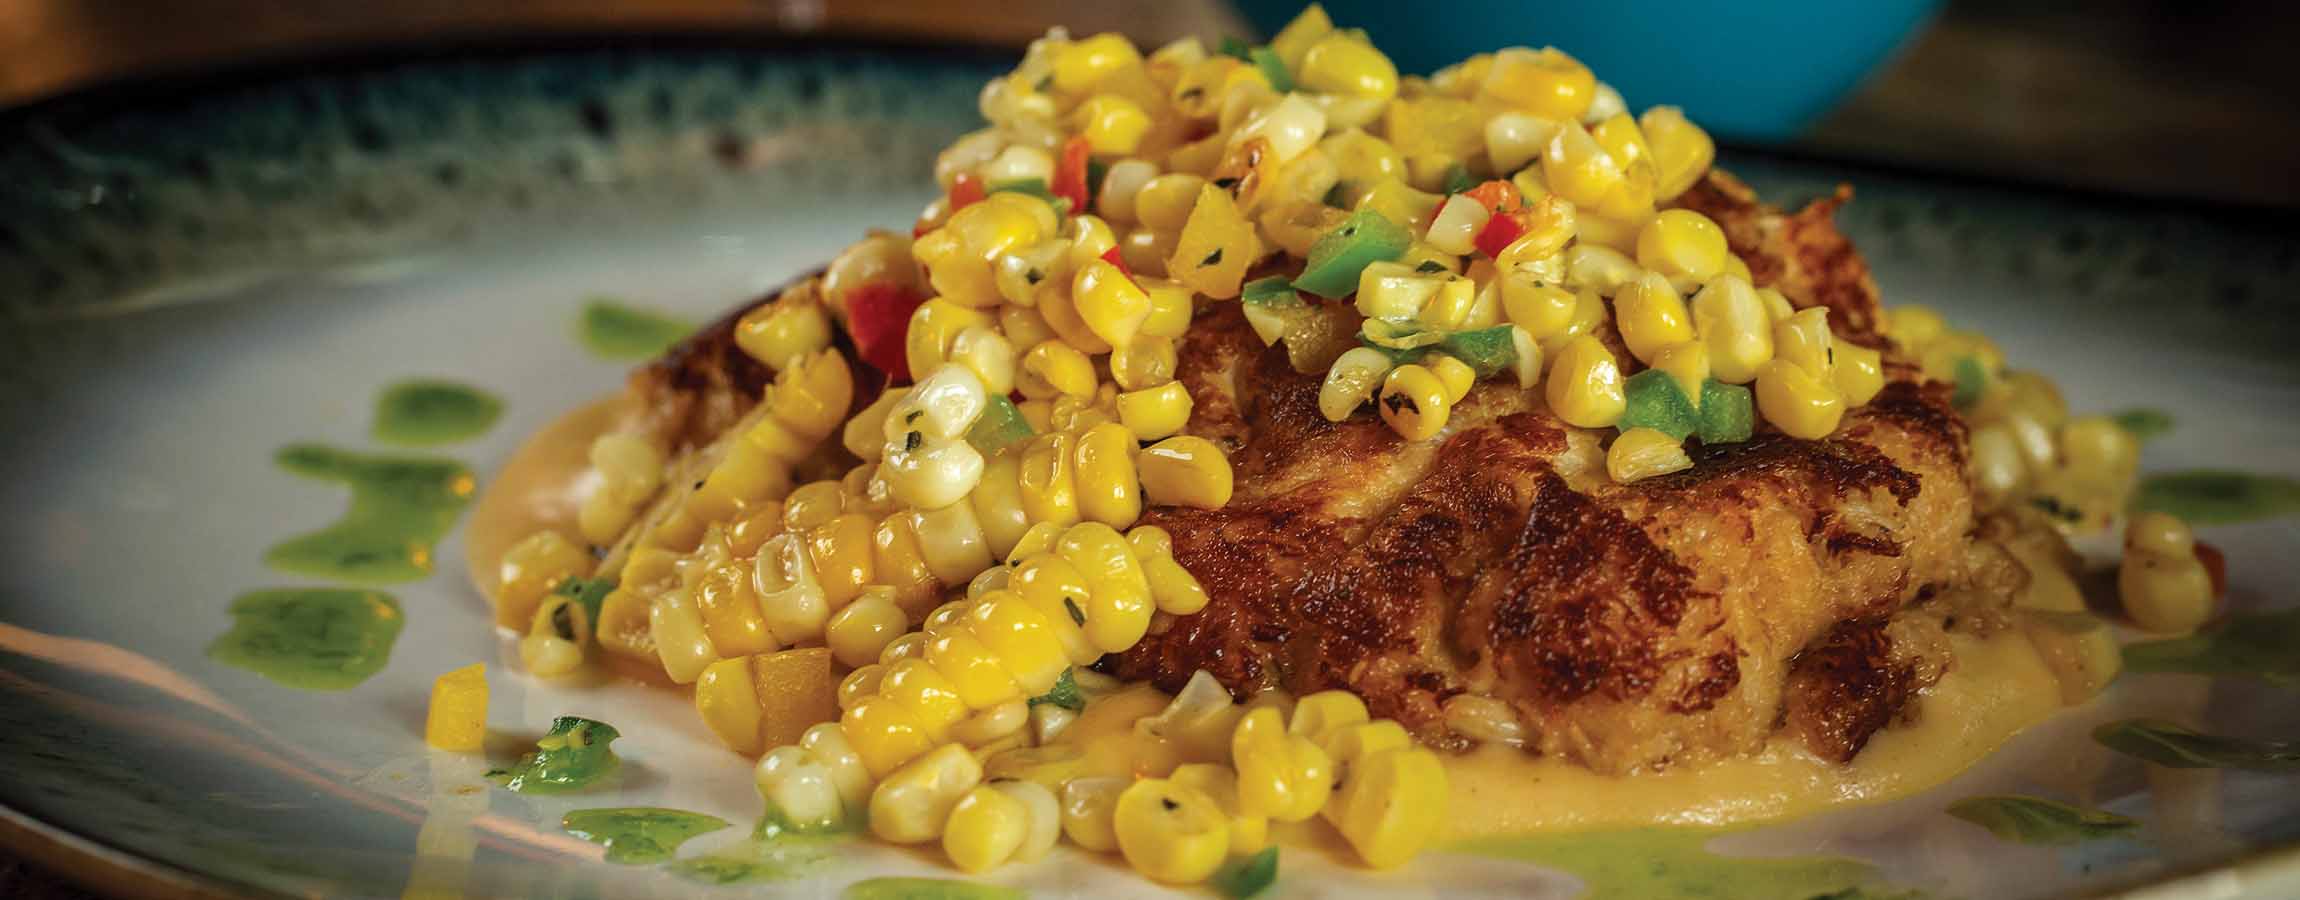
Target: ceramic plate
<point>196,275</point>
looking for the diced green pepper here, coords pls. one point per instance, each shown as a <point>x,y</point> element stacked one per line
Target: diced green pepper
<point>1971,379</point>
<point>590,592</point>
<point>1096,170</point>
<point>1272,291</point>
<point>572,756</point>
<point>1458,179</point>
<point>1244,878</point>
<point>1727,415</point>
<point>1365,238</point>
<point>1398,355</point>
<point>1488,351</point>
<point>1232,45</point>
<point>1000,426</point>
<point>1272,68</point>
<point>1657,402</point>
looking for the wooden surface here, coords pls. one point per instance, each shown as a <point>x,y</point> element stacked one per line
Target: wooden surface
<point>2145,97</point>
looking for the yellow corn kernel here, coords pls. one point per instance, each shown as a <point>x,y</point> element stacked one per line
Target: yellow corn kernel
<point>1803,338</point>
<point>1682,152</point>
<point>1859,372</point>
<point>931,698</point>
<point>791,598</point>
<point>730,611</point>
<point>864,435</point>
<point>1777,305</point>
<point>623,627</point>
<point>813,505</point>
<point>680,641</point>
<point>985,828</point>
<point>857,633</point>
<point>1450,306</point>
<point>1585,387</point>
<point>933,326</point>
<point>1248,834</point>
<point>1118,604</point>
<point>1545,83</point>
<point>2164,593</point>
<point>1084,63</point>
<point>1088,811</point>
<point>1351,381</point>
<point>1399,202</point>
<point>1295,40</point>
<point>1049,479</point>
<point>1170,833</point>
<point>986,353</point>
<point>826,745</point>
<point>1391,805</point>
<point>1164,203</point>
<point>841,552</point>
<point>775,333</point>
<point>997,502</point>
<point>971,668</point>
<point>812,394</point>
<point>885,734</point>
<point>1023,640</point>
<point>931,473</point>
<point>1413,401</point>
<point>1687,363</point>
<point>1157,412</point>
<point>1550,224</point>
<point>1349,743</point>
<point>1108,490</point>
<point>1542,308</point>
<point>1108,302</point>
<point>903,647</point>
<point>530,570</point>
<point>727,698</point>
<point>1913,326</point>
<point>1055,368</point>
<point>2098,447</point>
<point>1283,777</point>
<point>1058,591</point>
<point>1185,471</point>
<point>1651,317</point>
<point>1112,124</point>
<point>457,718</point>
<point>898,562</point>
<point>1621,137</point>
<point>1578,169</point>
<point>1216,246</point>
<point>858,684</point>
<point>1344,64</point>
<point>1170,308</point>
<point>1683,245</point>
<point>1040,538</point>
<point>1797,402</point>
<point>1172,587</point>
<point>1641,453</point>
<point>1732,321</point>
<point>801,791</point>
<point>1319,715</point>
<point>913,803</point>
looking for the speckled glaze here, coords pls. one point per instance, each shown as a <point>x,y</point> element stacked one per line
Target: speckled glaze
<point>193,275</point>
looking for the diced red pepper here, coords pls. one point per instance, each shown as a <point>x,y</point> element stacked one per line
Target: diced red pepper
<point>966,191</point>
<point>1499,232</point>
<point>2215,565</point>
<point>1112,257</point>
<point>878,316</point>
<point>1496,196</point>
<point>1070,173</point>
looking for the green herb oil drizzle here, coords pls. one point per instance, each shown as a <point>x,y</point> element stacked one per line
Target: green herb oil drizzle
<point>1659,863</point>
<point>400,508</point>
<point>611,330</point>
<point>427,412</point>
<point>635,835</point>
<point>321,639</point>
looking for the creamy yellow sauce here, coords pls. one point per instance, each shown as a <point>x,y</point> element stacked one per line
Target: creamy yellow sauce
<point>1998,686</point>
<point>542,486</point>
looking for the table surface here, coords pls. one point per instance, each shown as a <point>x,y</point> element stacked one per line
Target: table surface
<point>2139,97</point>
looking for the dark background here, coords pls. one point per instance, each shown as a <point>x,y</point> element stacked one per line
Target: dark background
<point>2185,101</point>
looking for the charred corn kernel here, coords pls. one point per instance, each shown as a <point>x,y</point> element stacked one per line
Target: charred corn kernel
<point>1913,326</point>
<point>886,735</point>
<point>1108,490</point>
<point>1172,587</point>
<point>1803,339</point>
<point>2164,593</point>
<point>791,597</point>
<point>1170,833</point>
<point>1058,591</point>
<point>1542,308</point>
<point>841,553</point>
<point>1055,367</point>
<point>860,630</point>
<point>1248,834</point>
<point>1391,805</point>
<point>1023,640</point>
<point>1796,402</point>
<point>1319,715</point>
<point>1585,386</point>
<point>933,326</point>
<point>860,683</point>
<point>1345,64</point>
<point>1143,362</point>
<point>1641,453</point>
<point>1290,127</point>
<point>1859,372</point>
<point>1578,169</point>
<point>971,668</point>
<point>727,699</point>
<point>799,789</point>
<point>1157,412</point>
<point>986,827</point>
<point>1545,83</point>
<point>1682,152</point>
<point>1413,402</point>
<point>1732,321</point>
<point>930,698</point>
<point>913,803</point>
<point>1280,776</point>
<point>530,570</point>
<point>992,724</point>
<point>680,642</point>
<point>931,472</point>
<point>457,718</point>
<point>1049,479</point>
<point>2159,533</point>
<point>1089,806</point>
<point>1651,316</point>
<point>1185,471</point>
<point>1118,606</point>
<point>775,333</point>
<point>1683,245</point>
<point>1351,381</point>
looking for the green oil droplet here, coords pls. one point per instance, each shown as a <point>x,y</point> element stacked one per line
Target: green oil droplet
<point>322,639</point>
<point>425,412</point>
<point>400,508</point>
<point>613,330</point>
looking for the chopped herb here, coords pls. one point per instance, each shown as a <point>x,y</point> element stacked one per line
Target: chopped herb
<point>1272,68</point>
<point>2167,744</point>
<point>2052,506</point>
<point>1169,803</point>
<point>1065,694</point>
<point>1458,179</point>
<point>1233,46</point>
<point>912,441</point>
<point>1191,93</point>
<point>1070,606</point>
<point>2263,645</point>
<point>2144,423</point>
<point>1429,267</point>
<point>1096,170</point>
<point>2034,820</point>
<point>1034,276</point>
<point>571,757</point>
<point>1337,196</point>
<point>1247,877</point>
<point>591,592</point>
<point>912,419</point>
<point>1214,258</point>
<point>1400,401</point>
<point>1225,182</point>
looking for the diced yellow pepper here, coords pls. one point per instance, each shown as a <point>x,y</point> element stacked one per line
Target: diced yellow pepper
<point>1216,247</point>
<point>457,720</point>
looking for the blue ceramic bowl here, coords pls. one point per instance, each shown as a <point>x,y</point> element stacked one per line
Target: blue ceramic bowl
<point>1756,71</point>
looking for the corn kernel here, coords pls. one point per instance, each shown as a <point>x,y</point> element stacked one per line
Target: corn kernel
<point>1055,368</point>
<point>1683,245</point>
<point>1545,83</point>
<point>1803,338</point>
<point>1391,805</point>
<point>1585,386</point>
<point>1155,413</point>
<point>1112,124</point>
<point>1168,832</point>
<point>1641,453</point>
<point>1048,479</point>
<point>1248,834</point>
<point>1730,318</point>
<point>1175,590</point>
<point>1023,640</point>
<point>1089,806</point>
<point>971,668</point>
<point>1318,716</point>
<point>1185,471</point>
<point>1413,401</point>
<point>914,803</point>
<point>1682,152</point>
<point>933,326</point>
<point>886,735</point>
<point>801,790</point>
<point>1858,371</point>
<point>1796,402</point>
<point>1083,65</point>
<point>1283,777</point>
<point>860,631</point>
